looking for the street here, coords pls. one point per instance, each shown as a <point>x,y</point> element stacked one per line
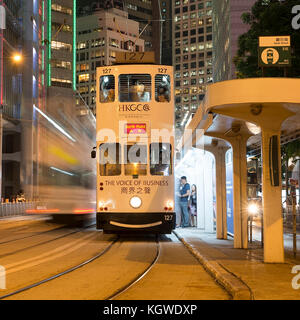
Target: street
<point>32,251</point>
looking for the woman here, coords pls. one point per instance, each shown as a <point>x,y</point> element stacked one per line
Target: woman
<point>193,206</point>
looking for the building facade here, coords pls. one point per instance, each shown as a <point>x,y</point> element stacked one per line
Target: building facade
<point>227,28</point>
<point>61,55</point>
<point>192,56</point>
<point>166,7</point>
<point>43,80</point>
<point>154,18</point>
<point>100,36</point>
<point>10,98</point>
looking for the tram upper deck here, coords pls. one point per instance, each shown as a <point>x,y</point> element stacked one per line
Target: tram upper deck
<point>131,93</point>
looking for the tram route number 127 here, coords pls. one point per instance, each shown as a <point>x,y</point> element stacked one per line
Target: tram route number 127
<point>168,217</point>
<point>133,56</point>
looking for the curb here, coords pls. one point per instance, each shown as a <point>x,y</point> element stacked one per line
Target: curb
<point>236,288</point>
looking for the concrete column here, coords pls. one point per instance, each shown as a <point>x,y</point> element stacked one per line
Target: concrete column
<point>240,192</point>
<point>200,194</point>
<point>221,212</point>
<point>240,215</point>
<point>208,190</point>
<point>272,203</point>
<point>221,193</point>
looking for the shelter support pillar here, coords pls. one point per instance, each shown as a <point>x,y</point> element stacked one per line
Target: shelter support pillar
<point>221,214</point>
<point>240,197</point>
<point>240,214</point>
<point>272,202</point>
<point>221,210</point>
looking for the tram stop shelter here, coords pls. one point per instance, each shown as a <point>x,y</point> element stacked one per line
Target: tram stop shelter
<point>230,115</point>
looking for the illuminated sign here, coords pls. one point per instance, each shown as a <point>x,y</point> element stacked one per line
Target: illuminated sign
<point>274,51</point>
<point>135,57</point>
<point>135,128</point>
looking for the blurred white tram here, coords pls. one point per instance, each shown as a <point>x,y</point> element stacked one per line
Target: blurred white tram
<point>66,175</point>
<point>135,146</point>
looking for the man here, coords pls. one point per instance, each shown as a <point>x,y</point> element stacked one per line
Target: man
<point>162,94</point>
<point>184,193</point>
<point>138,92</point>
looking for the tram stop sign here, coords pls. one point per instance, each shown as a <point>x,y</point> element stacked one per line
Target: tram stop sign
<point>274,51</point>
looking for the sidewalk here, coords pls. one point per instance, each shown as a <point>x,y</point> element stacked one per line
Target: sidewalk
<point>264,281</point>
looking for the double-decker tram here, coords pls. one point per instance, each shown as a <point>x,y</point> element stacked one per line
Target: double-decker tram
<point>135,146</point>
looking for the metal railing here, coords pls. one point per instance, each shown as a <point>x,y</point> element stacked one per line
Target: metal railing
<point>11,209</point>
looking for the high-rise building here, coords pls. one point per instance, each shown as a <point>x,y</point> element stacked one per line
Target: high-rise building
<point>61,55</point>
<point>192,56</point>
<point>166,31</point>
<point>43,80</point>
<point>227,28</point>
<point>99,36</point>
<point>10,97</point>
<point>150,15</point>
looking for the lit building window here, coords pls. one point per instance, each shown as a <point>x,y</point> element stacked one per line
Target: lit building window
<point>61,64</point>
<point>83,77</point>
<point>62,9</point>
<point>57,45</point>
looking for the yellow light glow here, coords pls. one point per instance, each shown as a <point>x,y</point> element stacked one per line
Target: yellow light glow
<point>170,204</point>
<point>253,208</point>
<point>17,57</point>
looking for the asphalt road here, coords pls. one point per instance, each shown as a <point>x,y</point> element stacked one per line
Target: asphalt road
<point>32,251</point>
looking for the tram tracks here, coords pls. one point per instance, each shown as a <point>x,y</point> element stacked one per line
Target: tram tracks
<point>115,294</point>
<point>32,235</point>
<point>115,275</point>
<point>43,242</point>
<point>139,277</point>
<point>60,274</point>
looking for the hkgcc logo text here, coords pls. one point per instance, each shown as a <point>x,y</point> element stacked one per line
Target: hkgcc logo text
<point>296,19</point>
<point>2,278</point>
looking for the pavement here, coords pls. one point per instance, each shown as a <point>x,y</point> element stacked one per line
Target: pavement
<point>242,272</point>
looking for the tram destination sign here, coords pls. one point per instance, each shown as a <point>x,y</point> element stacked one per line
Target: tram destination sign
<point>274,51</point>
<point>135,57</point>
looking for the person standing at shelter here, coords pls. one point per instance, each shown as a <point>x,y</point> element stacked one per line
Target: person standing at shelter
<point>193,206</point>
<point>184,193</point>
<point>177,203</point>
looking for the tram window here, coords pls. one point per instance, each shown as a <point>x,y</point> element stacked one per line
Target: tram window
<point>162,88</point>
<point>135,159</point>
<point>107,89</point>
<point>109,157</point>
<point>161,159</point>
<point>134,88</point>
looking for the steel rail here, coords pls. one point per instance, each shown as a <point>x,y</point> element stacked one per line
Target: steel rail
<point>61,273</point>
<point>139,276</point>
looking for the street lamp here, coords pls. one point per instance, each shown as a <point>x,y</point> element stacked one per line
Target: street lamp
<point>17,57</point>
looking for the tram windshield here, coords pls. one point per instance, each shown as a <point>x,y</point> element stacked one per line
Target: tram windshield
<point>107,89</point>
<point>162,88</point>
<point>134,88</point>
<point>135,157</point>
<point>109,158</point>
<point>161,159</point>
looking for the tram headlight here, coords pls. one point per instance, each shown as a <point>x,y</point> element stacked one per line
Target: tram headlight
<point>135,202</point>
<point>101,204</point>
<point>170,204</point>
<point>253,208</point>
